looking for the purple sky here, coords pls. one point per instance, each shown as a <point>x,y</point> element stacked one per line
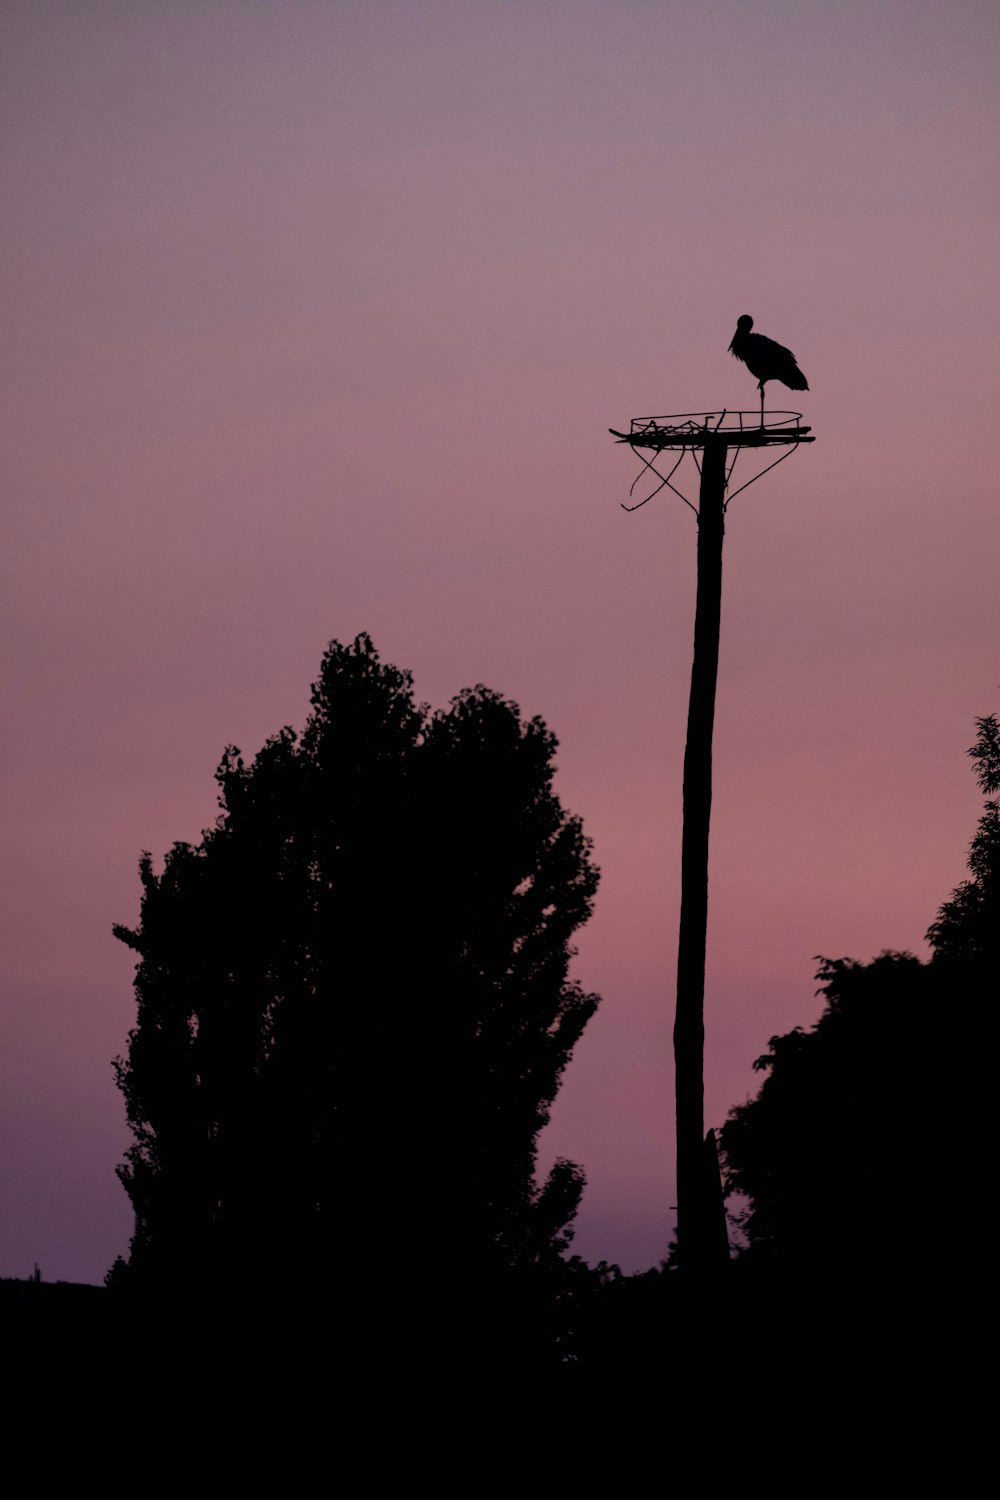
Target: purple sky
<point>317,316</point>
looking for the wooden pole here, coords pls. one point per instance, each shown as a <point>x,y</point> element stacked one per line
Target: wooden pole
<point>702,1237</point>
<point>698,1194</point>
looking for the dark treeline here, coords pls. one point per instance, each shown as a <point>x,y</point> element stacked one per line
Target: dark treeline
<point>354,1011</point>
<point>353,1014</point>
<point>862,1156</point>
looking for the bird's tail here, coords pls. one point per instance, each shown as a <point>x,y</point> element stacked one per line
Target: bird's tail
<point>795,381</point>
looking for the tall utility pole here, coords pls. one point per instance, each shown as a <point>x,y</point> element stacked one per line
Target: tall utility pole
<point>702,1242</point>
<point>701,1225</point>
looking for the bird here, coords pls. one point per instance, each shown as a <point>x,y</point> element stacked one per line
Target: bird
<point>765,359</point>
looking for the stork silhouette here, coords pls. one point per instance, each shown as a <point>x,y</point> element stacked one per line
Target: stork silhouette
<point>765,359</point>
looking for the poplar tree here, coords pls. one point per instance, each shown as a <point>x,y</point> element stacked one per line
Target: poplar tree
<point>354,1011</point>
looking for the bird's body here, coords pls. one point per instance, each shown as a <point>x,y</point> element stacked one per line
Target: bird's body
<point>765,359</point>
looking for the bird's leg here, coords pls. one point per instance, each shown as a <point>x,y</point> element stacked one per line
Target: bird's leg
<point>761,383</point>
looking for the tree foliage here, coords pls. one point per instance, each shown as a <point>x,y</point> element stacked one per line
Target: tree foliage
<point>871,1118</point>
<point>354,1006</point>
<point>965,935</point>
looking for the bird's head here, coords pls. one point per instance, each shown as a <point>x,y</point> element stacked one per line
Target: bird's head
<point>743,325</point>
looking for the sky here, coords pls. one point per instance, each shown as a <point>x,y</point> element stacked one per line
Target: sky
<point>317,316</point>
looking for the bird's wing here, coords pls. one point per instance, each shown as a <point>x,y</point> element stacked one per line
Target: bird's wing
<point>773,348</point>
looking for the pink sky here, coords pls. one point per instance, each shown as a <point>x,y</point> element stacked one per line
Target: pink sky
<point>317,316</point>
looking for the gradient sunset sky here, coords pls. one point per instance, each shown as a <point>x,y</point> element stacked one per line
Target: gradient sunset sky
<point>317,315</point>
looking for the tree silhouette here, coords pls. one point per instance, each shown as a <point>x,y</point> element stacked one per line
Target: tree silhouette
<point>354,1012</point>
<point>875,1116</point>
<point>965,935</point>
